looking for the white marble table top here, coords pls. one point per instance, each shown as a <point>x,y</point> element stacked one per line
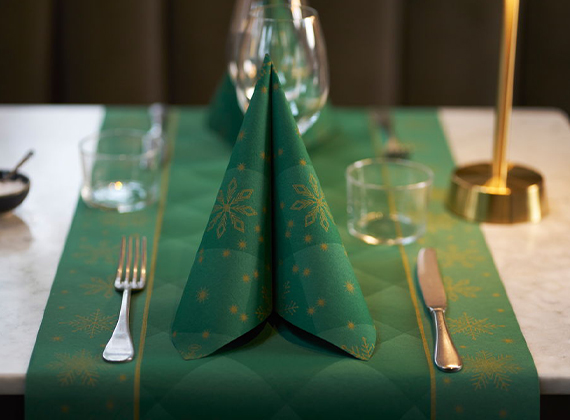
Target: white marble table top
<point>533,260</point>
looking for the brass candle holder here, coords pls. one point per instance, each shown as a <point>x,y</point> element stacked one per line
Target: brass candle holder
<point>500,192</point>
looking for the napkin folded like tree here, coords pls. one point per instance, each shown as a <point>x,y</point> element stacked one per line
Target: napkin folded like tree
<point>225,117</point>
<point>271,245</point>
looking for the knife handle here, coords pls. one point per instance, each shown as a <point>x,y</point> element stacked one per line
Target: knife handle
<point>445,356</point>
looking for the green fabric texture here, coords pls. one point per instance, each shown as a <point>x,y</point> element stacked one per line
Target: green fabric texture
<point>225,117</point>
<point>271,245</point>
<point>278,371</point>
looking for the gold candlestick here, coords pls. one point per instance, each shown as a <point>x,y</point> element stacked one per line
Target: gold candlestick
<point>500,192</point>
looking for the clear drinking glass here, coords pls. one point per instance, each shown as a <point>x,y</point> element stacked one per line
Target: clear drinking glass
<point>292,36</point>
<point>121,169</point>
<point>387,200</point>
<point>238,25</point>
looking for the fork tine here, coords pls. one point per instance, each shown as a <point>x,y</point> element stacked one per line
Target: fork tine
<point>121,261</point>
<point>143,263</point>
<point>135,277</point>
<point>129,260</point>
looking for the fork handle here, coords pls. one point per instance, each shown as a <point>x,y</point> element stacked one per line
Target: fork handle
<point>120,347</point>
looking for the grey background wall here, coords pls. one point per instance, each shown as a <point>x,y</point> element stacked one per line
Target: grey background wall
<point>381,52</point>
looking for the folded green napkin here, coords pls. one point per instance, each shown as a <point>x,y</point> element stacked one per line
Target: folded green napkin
<point>271,245</point>
<point>225,117</point>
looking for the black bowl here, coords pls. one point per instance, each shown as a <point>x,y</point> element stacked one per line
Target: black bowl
<point>11,201</point>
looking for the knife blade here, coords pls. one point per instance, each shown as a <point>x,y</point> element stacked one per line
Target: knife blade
<point>446,357</point>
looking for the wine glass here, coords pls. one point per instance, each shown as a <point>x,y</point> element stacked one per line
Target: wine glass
<point>291,34</point>
<point>238,25</point>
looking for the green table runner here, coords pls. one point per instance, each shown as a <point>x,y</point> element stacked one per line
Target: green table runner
<point>278,371</point>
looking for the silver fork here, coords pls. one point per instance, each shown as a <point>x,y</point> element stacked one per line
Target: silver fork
<point>394,148</point>
<point>120,347</point>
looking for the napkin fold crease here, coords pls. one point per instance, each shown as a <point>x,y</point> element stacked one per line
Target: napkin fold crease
<point>271,245</point>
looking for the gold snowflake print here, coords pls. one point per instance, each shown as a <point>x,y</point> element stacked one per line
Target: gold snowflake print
<point>262,312</point>
<point>452,255</point>
<point>291,308</point>
<point>315,201</point>
<point>349,287</point>
<point>311,311</point>
<point>471,327</point>
<point>286,288</point>
<point>241,135</point>
<point>364,351</point>
<point>321,302</point>
<point>246,278</point>
<point>98,285</point>
<point>192,352</point>
<point>307,272</point>
<point>103,252</point>
<point>242,244</point>
<point>243,317</point>
<point>440,221</point>
<point>202,295</point>
<point>92,324</point>
<point>324,247</point>
<point>206,334</point>
<point>80,367</point>
<point>487,369</point>
<point>241,167</point>
<point>234,309</point>
<point>462,287</point>
<point>228,207</point>
<point>350,325</point>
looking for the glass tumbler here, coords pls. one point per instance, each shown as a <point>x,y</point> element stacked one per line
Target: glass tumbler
<point>121,169</point>
<point>387,200</point>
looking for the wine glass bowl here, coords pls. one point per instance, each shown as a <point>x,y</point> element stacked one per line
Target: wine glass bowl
<point>292,36</point>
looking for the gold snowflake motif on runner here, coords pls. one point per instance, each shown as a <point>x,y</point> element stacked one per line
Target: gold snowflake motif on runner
<point>103,252</point>
<point>126,221</point>
<point>81,367</point>
<point>487,369</point>
<point>315,201</point>
<point>471,327</point>
<point>453,255</point>
<point>364,351</point>
<point>438,194</point>
<point>440,221</point>
<point>228,207</point>
<point>92,324</point>
<point>461,287</point>
<point>98,285</point>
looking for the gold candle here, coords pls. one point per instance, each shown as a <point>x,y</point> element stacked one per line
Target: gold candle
<point>499,192</point>
<point>505,94</point>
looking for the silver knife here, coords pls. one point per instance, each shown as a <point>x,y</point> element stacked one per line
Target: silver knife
<point>445,356</point>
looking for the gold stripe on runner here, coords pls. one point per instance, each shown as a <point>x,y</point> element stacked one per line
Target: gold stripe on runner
<point>171,135</point>
<point>376,141</point>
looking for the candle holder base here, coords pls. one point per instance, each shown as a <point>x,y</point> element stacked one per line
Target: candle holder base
<point>473,197</point>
